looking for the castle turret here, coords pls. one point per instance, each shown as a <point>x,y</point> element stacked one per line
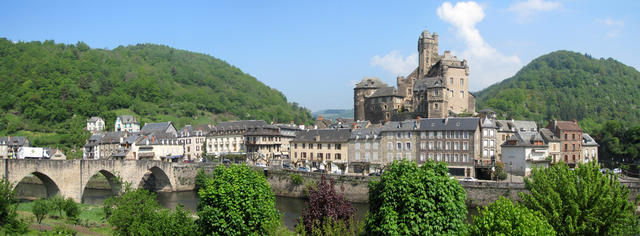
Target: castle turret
<point>362,90</point>
<point>428,52</point>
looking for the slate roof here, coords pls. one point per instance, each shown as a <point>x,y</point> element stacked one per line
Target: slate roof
<point>267,130</point>
<point>525,139</point>
<point>94,140</point>
<point>128,119</point>
<point>385,92</point>
<point>587,140</point>
<point>365,133</point>
<point>113,137</point>
<point>568,125</point>
<point>428,82</point>
<point>488,123</point>
<point>13,140</point>
<point>323,135</point>
<point>452,123</point>
<point>548,135</point>
<point>239,125</point>
<point>406,125</point>
<point>156,138</point>
<point>517,125</point>
<point>153,127</point>
<point>370,82</point>
<point>288,127</point>
<point>93,119</point>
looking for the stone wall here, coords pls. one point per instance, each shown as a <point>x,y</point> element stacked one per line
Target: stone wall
<point>354,188</point>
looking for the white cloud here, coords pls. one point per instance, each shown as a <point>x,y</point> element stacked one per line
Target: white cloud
<point>614,27</point>
<point>487,64</point>
<point>525,10</point>
<point>395,63</point>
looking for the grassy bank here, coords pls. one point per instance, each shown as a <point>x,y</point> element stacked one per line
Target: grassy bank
<point>92,220</point>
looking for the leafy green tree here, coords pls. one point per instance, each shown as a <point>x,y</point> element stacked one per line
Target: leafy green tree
<point>72,210</point>
<point>58,203</point>
<point>506,218</point>
<point>237,201</point>
<point>41,208</point>
<point>9,221</point>
<point>582,201</point>
<point>412,200</point>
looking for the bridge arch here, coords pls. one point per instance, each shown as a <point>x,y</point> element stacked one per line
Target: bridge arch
<point>51,187</point>
<point>156,180</point>
<point>113,180</point>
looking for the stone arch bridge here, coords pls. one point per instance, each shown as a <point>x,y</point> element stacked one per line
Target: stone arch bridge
<point>70,177</point>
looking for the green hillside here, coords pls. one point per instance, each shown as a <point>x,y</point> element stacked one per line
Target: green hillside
<point>49,90</point>
<point>567,85</point>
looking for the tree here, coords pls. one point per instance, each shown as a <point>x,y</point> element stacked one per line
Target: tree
<point>408,199</point>
<point>324,206</point>
<point>58,203</point>
<point>582,201</point>
<point>9,222</point>
<point>40,209</point>
<point>72,210</point>
<point>506,218</point>
<point>237,201</point>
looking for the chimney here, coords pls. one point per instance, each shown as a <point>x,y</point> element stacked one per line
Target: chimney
<point>354,125</point>
<point>418,122</point>
<point>320,118</point>
<point>153,139</point>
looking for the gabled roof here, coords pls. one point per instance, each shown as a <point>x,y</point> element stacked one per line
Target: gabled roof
<point>158,137</point>
<point>370,82</point>
<point>488,123</point>
<point>113,137</point>
<point>93,119</point>
<point>385,92</point>
<point>548,136</point>
<point>323,135</point>
<point>568,125</point>
<point>128,119</point>
<point>14,140</point>
<point>517,125</point>
<point>239,125</point>
<point>406,125</point>
<point>525,139</point>
<point>366,133</point>
<point>153,127</point>
<point>451,123</point>
<point>587,140</point>
<point>428,82</point>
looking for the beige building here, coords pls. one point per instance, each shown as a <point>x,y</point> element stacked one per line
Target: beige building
<point>264,145</point>
<point>228,137</point>
<point>4,149</point>
<point>193,141</point>
<point>158,147</point>
<point>589,148</point>
<point>398,140</point>
<point>523,151</point>
<point>455,141</point>
<point>110,143</point>
<point>12,143</point>
<point>95,124</point>
<point>321,148</point>
<point>365,152</point>
<point>554,144</point>
<point>438,87</point>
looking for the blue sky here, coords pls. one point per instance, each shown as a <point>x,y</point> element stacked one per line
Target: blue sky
<point>314,51</point>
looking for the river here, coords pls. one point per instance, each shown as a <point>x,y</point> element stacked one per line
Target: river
<point>290,208</point>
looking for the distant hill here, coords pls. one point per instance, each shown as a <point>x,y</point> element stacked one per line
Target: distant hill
<point>333,113</point>
<point>567,85</point>
<point>48,90</point>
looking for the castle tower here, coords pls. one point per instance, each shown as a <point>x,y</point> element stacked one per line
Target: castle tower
<point>363,89</point>
<point>428,52</point>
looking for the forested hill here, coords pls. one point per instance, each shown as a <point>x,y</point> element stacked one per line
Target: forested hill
<point>53,88</point>
<point>567,85</point>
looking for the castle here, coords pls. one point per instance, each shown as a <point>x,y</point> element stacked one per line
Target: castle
<point>437,88</point>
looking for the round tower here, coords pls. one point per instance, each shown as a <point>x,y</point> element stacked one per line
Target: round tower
<point>428,52</point>
<point>363,89</point>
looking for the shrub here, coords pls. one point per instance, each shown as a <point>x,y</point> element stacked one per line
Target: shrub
<point>505,218</point>
<point>325,206</point>
<point>237,201</point>
<point>410,200</point>
<point>582,201</point>
<point>296,179</point>
<point>72,210</point>
<point>58,203</point>
<point>9,222</point>
<point>40,209</point>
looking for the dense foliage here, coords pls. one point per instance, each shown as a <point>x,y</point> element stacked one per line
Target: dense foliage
<point>412,200</point>
<point>567,85</point>
<point>618,142</point>
<point>506,218</point>
<point>52,88</point>
<point>237,201</point>
<point>9,221</point>
<point>41,208</point>
<point>582,201</point>
<point>136,212</point>
<point>325,206</point>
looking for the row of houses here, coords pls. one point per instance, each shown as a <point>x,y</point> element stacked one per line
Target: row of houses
<point>12,147</point>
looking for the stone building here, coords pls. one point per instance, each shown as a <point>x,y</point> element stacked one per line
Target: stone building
<point>110,143</point>
<point>589,148</point>
<point>321,148</point>
<point>507,128</point>
<point>264,145</point>
<point>455,141</point>
<point>193,141</point>
<point>162,127</point>
<point>95,124</point>
<point>365,152</point>
<point>158,146</point>
<point>570,135</point>
<point>9,145</point>
<point>553,142</point>
<point>437,88</point>
<point>398,138</point>
<point>288,133</point>
<point>228,137</point>
<point>127,123</point>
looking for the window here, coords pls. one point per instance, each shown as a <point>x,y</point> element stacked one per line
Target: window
<point>423,135</point>
<point>399,146</point>
<point>465,146</point>
<point>447,146</point>
<point>295,155</point>
<point>485,132</point>
<point>447,157</point>
<point>389,146</point>
<point>328,155</point>
<point>320,156</point>
<point>398,135</point>
<point>566,136</point>
<point>439,157</point>
<point>491,132</point>
<point>375,156</point>
<point>492,143</point>
<point>338,146</point>
<point>461,81</point>
<point>451,92</point>
<point>367,146</point>
<point>456,145</point>
<point>304,155</point>
<point>319,145</point>
<point>491,153</point>
<point>455,157</point>
<point>430,145</point>
<point>357,146</point>
<point>367,156</point>
<point>431,156</point>
<point>311,155</point>
<point>566,146</point>
<point>408,135</point>
<point>421,156</point>
<point>435,106</point>
<point>357,156</point>
<point>375,146</point>
<point>408,145</point>
<point>439,145</point>
<point>390,157</point>
<point>457,134</point>
<point>451,81</point>
<point>398,156</point>
<point>408,156</point>
<point>430,134</point>
<point>311,146</point>
<point>465,135</point>
<point>328,146</point>
<point>485,143</point>
<point>338,156</point>
<point>423,146</point>
<point>448,133</point>
<point>439,134</point>
<point>462,94</point>
<point>574,146</point>
<point>465,157</point>
<point>485,153</point>
<point>435,92</point>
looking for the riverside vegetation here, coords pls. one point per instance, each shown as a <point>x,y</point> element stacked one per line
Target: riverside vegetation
<point>406,199</point>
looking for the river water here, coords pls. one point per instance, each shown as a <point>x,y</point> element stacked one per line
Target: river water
<point>290,208</point>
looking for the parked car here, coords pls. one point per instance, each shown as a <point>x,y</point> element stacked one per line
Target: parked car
<point>617,171</point>
<point>376,173</point>
<point>260,164</point>
<point>226,161</point>
<point>286,165</point>
<point>469,179</point>
<point>305,169</point>
<point>320,171</point>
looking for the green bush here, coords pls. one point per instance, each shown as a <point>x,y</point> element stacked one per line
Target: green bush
<point>332,227</point>
<point>582,201</point>
<point>40,209</point>
<point>505,218</point>
<point>296,179</point>
<point>237,201</point>
<point>412,200</point>
<point>72,210</point>
<point>10,224</point>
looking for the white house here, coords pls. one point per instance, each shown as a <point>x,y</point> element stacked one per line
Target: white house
<point>127,123</point>
<point>524,150</point>
<point>95,124</point>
